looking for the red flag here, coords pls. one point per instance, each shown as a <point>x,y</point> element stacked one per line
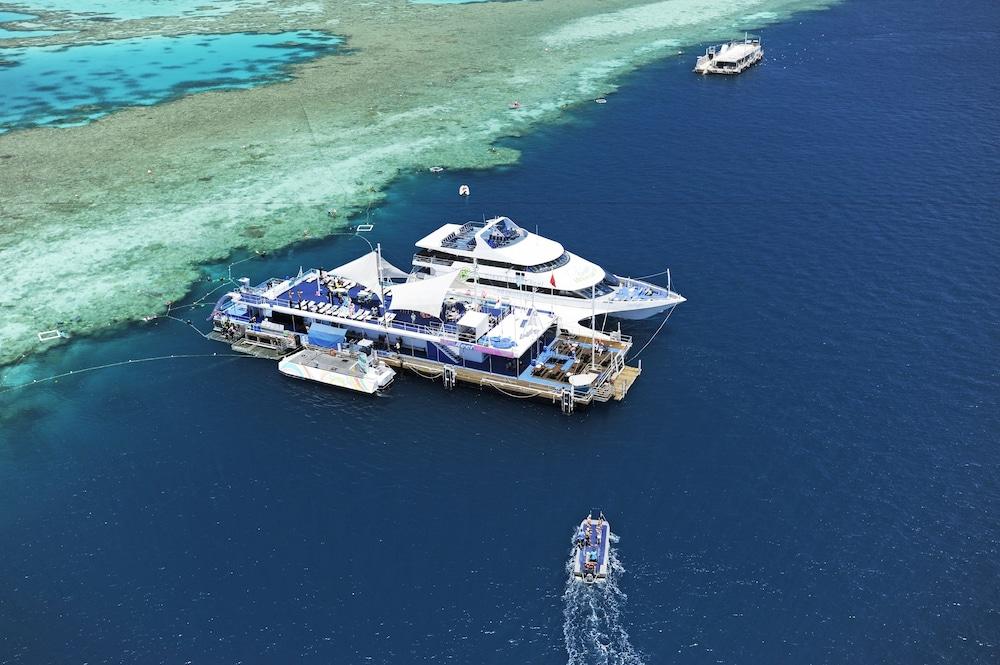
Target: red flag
<point>552,280</point>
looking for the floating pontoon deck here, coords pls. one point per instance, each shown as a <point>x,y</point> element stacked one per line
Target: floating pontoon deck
<point>731,58</point>
<point>431,325</point>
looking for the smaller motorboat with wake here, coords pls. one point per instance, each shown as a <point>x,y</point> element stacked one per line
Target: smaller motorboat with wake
<point>593,547</point>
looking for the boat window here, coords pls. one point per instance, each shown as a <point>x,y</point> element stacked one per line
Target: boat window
<point>582,293</point>
<point>551,265</point>
<point>541,267</point>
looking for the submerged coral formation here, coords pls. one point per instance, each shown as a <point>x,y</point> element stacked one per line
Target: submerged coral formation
<point>107,222</point>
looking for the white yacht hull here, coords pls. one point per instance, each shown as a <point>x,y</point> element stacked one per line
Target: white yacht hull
<point>373,380</point>
<point>497,260</point>
<point>573,310</point>
<point>640,314</point>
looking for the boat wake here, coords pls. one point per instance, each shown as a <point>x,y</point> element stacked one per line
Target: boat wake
<point>593,626</point>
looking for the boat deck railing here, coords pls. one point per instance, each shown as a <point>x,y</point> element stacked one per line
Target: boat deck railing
<point>630,290</point>
<point>447,330</point>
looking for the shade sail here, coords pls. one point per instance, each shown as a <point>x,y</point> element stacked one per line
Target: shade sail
<point>391,271</point>
<point>424,295</point>
<point>364,271</point>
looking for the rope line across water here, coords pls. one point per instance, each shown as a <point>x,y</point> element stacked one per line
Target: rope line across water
<point>121,363</point>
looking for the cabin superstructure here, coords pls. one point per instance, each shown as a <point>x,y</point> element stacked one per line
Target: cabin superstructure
<point>432,324</point>
<point>498,258</point>
<point>732,57</point>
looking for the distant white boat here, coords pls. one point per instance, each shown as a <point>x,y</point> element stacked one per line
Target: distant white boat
<point>731,58</point>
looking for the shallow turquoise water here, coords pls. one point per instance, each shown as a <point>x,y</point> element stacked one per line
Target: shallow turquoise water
<point>5,33</point>
<point>138,9</point>
<point>14,16</point>
<point>445,2</point>
<point>62,86</point>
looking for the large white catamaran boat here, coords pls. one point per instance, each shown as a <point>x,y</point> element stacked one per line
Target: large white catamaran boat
<point>497,258</point>
<point>486,303</point>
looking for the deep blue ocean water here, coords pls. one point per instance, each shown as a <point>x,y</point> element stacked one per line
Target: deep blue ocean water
<point>806,472</point>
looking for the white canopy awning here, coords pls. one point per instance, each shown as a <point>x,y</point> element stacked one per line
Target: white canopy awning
<point>424,295</point>
<point>364,271</point>
<point>392,272</point>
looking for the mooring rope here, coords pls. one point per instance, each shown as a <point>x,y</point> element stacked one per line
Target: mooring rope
<point>201,300</point>
<point>490,383</point>
<point>421,374</point>
<point>187,323</point>
<point>650,340</point>
<point>121,363</point>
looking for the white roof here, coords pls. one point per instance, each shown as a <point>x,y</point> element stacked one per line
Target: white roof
<point>528,250</point>
<point>535,323</point>
<point>735,51</point>
<point>422,295</point>
<point>365,270</point>
<point>473,319</point>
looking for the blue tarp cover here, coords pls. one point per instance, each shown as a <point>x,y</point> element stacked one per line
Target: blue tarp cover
<point>326,336</point>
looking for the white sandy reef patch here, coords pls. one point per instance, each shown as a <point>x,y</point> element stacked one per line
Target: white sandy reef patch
<point>105,223</point>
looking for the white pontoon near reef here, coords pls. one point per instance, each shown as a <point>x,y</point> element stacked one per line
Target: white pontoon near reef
<point>350,325</point>
<point>732,57</point>
<point>593,548</point>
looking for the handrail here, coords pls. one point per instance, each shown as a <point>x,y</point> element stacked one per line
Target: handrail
<point>432,259</point>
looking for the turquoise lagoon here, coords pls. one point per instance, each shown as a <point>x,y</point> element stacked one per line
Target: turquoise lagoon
<point>64,86</point>
<point>140,9</point>
<point>11,17</point>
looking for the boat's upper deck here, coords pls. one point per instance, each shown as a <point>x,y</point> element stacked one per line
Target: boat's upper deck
<point>339,363</point>
<point>506,329</point>
<point>736,51</point>
<point>598,531</point>
<point>497,239</point>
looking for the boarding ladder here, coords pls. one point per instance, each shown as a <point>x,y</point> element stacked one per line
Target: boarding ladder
<point>449,377</point>
<point>567,401</point>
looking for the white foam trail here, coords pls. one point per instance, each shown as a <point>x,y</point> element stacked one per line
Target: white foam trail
<point>592,623</point>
